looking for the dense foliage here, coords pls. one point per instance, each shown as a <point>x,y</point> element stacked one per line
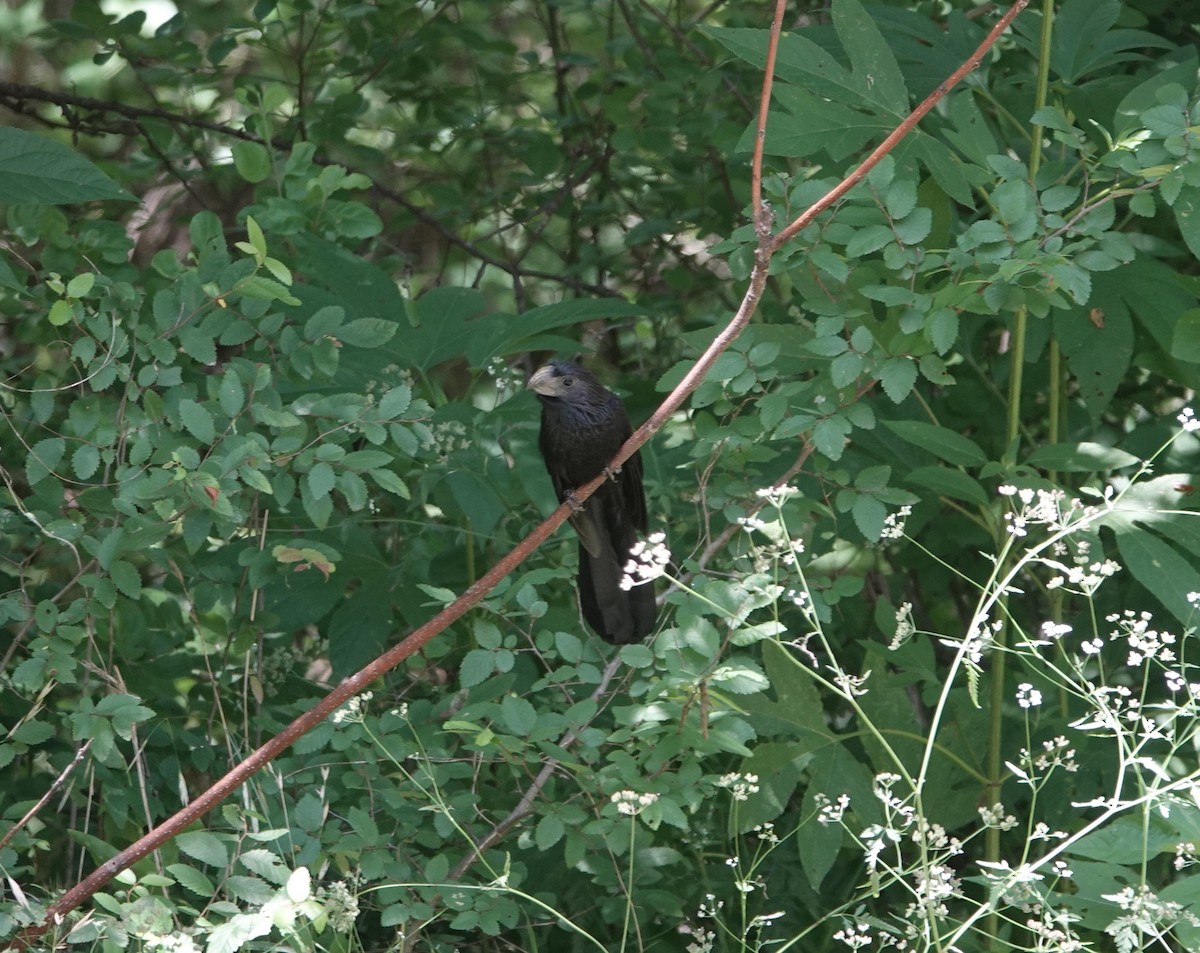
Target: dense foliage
<point>272,277</point>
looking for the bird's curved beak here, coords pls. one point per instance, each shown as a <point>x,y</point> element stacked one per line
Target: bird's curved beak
<point>544,381</point>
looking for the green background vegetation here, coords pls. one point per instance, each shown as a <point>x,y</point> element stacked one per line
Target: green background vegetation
<point>271,278</point>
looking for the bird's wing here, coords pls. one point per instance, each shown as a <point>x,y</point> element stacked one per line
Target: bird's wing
<point>633,492</point>
<point>588,530</point>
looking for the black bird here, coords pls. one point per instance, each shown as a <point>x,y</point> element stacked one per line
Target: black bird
<point>583,426</point>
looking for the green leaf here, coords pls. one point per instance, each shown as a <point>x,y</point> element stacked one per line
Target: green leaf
<point>869,514</point>
<point>869,239</point>
<point>549,831</point>
<point>320,480</point>
<point>198,345</point>
<point>86,461</point>
<point>324,321</point>
<point>1080,457</point>
<point>946,482</point>
<point>518,715</point>
<point>32,732</point>
<point>1185,344</point>
<point>231,395</point>
<point>60,313</point>
<point>476,668</point>
<point>392,483</point>
<point>80,285</point>
<point>43,459</point>
<point>829,436</point>
<point>126,578</point>
<point>1098,344</point>
<point>940,441</point>
<point>204,847</point>
<point>367,332</point>
<point>1187,216</point>
<point>871,56</point>
<point>264,289</point>
<point>1161,569</point>
<point>897,375</point>
<point>253,164</point>
<point>395,402</point>
<point>38,170</point>
<point>197,420</point>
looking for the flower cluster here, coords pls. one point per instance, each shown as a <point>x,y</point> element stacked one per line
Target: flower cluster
<point>741,786</point>
<point>354,711</point>
<point>893,526</point>
<point>341,905</point>
<point>631,803</point>
<point>1039,507</point>
<point>648,559</point>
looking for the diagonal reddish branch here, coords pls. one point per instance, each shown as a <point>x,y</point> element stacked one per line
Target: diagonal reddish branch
<point>767,245</point>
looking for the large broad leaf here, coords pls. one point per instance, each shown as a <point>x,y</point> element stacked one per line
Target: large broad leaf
<point>1187,216</point>
<point>506,334</point>
<point>940,441</point>
<point>1098,345</point>
<point>1080,457</point>
<point>1160,568</point>
<point>37,170</point>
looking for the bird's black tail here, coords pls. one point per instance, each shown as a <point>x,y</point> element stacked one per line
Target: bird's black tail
<point>618,615</point>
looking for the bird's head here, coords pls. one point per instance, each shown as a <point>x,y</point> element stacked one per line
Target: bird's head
<point>559,380</point>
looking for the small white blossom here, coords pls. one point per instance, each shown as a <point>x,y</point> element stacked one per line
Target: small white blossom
<point>741,786</point>
<point>354,709</point>
<point>648,559</point>
<point>893,526</point>
<point>631,803</point>
<point>1028,696</point>
<point>855,937</point>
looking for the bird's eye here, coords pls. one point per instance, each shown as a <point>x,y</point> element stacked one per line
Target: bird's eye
<point>568,381</point>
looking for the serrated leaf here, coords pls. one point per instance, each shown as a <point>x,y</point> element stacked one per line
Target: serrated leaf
<point>367,332</point>
<point>897,375</point>
<point>43,459</point>
<point>366,459</point>
<point>231,395</point>
<point>943,329</point>
<point>845,368</point>
<point>319,509</point>
<point>85,461</point>
<point>869,514</point>
<point>867,240</point>
<point>266,864</point>
<point>518,715</point>
<point>192,879</point>
<point>197,420</point>
<point>60,313</point>
<point>126,578</point>
<point>198,345</point>
<point>476,668</point>
<point>395,402</point>
<point>320,480</point>
<point>829,436</point>
<point>549,831</point>
<point>204,847</point>
<point>392,483</point>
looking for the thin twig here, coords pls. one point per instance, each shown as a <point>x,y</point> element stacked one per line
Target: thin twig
<point>45,798</point>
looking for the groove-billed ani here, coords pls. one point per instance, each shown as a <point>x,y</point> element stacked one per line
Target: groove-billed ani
<point>583,426</point>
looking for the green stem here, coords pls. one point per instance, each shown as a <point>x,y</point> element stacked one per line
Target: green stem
<point>995,759</point>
